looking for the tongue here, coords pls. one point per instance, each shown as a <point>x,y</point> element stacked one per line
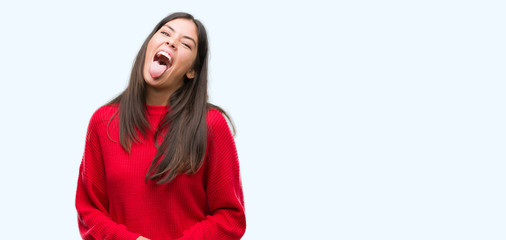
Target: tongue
<point>157,69</point>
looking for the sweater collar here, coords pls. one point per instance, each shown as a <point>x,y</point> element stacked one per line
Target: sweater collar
<point>156,110</point>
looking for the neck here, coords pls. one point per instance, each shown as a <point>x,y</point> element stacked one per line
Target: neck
<point>157,97</point>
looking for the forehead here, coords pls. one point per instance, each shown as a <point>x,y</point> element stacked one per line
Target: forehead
<point>183,26</point>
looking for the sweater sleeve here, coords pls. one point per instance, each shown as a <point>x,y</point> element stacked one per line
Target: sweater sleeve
<point>91,197</point>
<point>224,187</point>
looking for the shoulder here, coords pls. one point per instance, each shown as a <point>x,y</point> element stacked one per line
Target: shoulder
<point>103,115</point>
<point>214,115</point>
<point>216,120</point>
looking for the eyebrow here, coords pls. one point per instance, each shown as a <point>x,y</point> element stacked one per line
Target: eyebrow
<point>184,36</point>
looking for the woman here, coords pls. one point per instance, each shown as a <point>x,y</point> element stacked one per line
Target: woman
<point>160,162</point>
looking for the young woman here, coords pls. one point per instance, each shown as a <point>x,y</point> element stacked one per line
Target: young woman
<point>160,161</point>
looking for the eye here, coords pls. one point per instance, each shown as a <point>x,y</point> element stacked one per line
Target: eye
<point>165,33</point>
<point>187,45</point>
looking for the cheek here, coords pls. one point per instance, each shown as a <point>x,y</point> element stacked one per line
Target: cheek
<point>149,51</point>
<point>190,59</point>
<point>152,45</point>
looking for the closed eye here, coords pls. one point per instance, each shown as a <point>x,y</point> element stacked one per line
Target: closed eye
<point>166,34</point>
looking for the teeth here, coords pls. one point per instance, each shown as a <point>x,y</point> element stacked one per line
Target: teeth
<point>165,55</point>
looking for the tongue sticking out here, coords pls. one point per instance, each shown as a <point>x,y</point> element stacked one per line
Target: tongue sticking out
<point>157,69</point>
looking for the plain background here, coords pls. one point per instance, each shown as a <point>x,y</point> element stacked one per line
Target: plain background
<point>356,119</point>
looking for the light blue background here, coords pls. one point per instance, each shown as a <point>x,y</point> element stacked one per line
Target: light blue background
<point>356,119</point>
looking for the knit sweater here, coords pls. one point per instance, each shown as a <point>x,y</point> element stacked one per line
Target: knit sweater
<point>113,200</point>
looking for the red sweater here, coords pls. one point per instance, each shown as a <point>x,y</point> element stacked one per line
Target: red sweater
<point>114,202</point>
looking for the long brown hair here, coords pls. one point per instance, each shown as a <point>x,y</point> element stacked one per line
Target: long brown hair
<point>183,147</point>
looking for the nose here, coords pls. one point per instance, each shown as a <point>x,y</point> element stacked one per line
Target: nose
<point>171,43</point>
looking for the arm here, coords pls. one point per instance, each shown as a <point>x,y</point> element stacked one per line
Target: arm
<point>91,197</point>
<point>224,187</point>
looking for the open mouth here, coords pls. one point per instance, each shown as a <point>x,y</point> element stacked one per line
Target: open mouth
<point>161,62</point>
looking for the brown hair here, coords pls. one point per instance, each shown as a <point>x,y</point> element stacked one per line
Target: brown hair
<point>184,145</point>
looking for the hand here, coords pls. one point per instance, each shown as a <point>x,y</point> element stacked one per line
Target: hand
<point>142,238</point>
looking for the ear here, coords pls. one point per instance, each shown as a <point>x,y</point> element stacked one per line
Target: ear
<point>190,74</point>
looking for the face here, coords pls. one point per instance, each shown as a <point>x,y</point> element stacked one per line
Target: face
<point>170,55</point>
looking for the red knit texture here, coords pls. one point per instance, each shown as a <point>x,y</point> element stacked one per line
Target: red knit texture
<point>113,200</point>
